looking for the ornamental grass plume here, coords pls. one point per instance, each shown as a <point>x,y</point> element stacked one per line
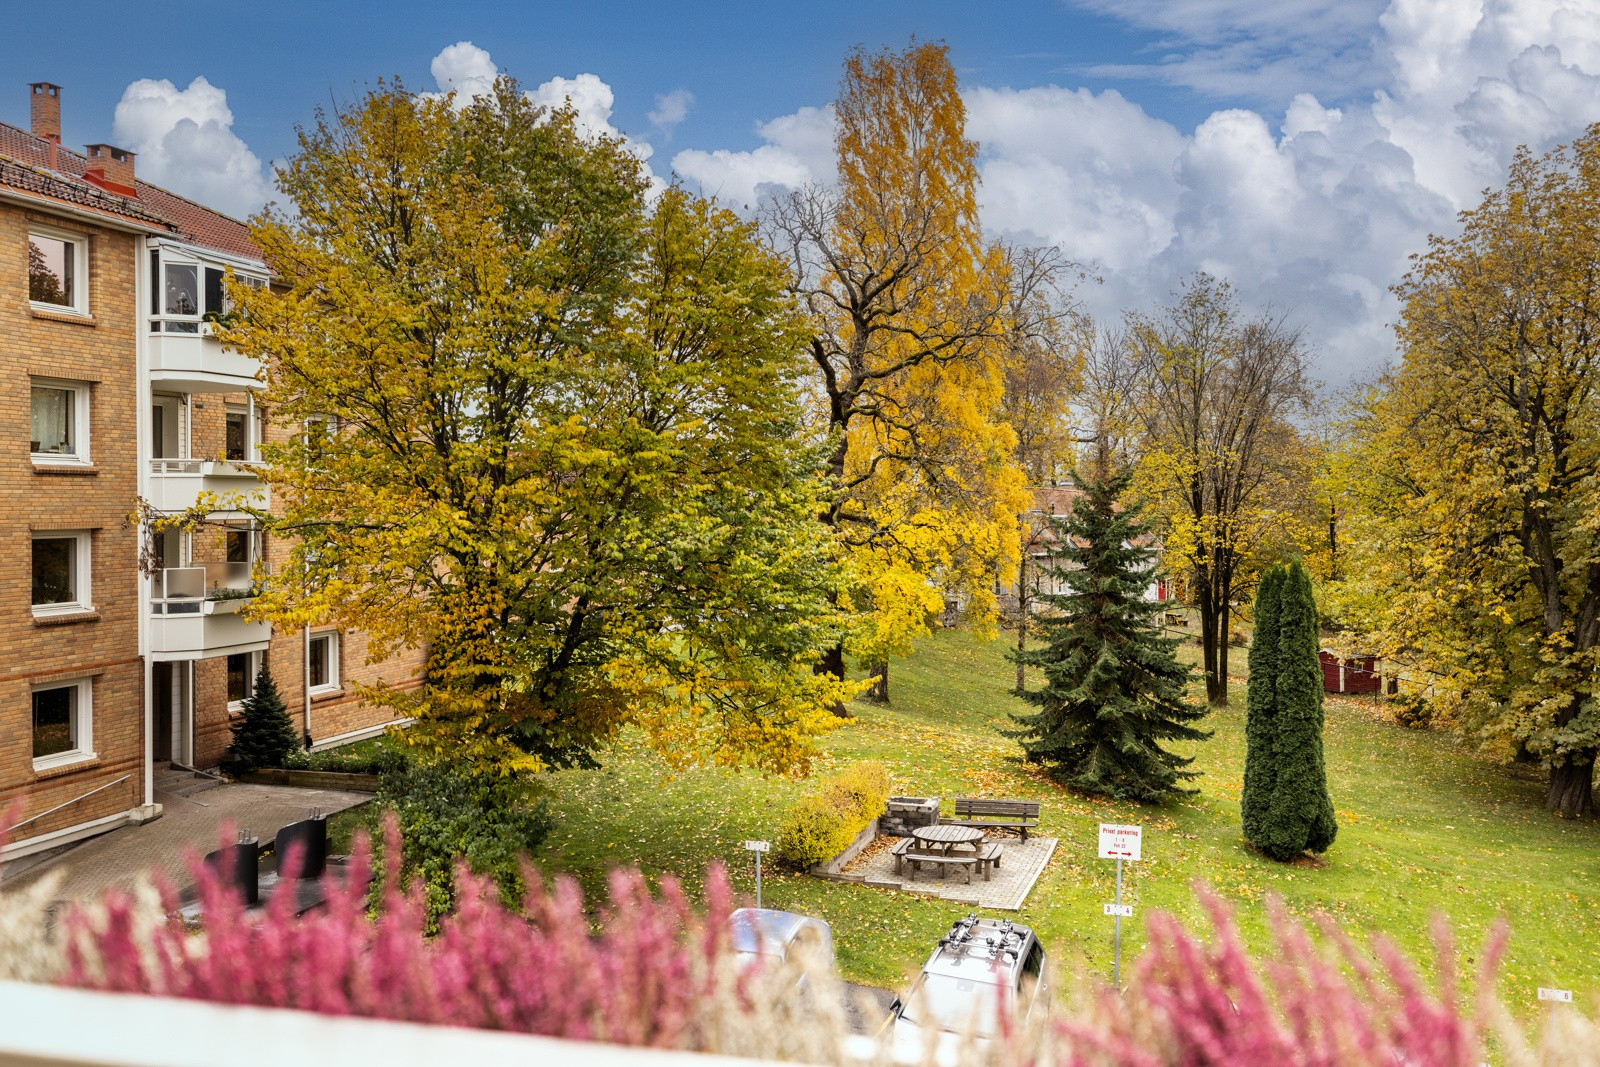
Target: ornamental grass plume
<point>1195,1004</point>
<point>645,970</point>
<point>27,954</point>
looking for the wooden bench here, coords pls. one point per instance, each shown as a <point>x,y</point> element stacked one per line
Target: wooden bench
<point>988,859</point>
<point>1019,815</point>
<point>898,850</point>
<point>1174,619</point>
<point>965,862</point>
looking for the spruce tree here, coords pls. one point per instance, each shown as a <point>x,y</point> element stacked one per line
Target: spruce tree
<point>264,735</point>
<point>1298,815</point>
<point>1113,688</point>
<point>1259,772</point>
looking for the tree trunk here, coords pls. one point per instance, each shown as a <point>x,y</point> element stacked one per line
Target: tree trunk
<point>1572,787</point>
<point>832,662</point>
<point>1022,616</point>
<point>1219,695</point>
<point>879,693</point>
<point>1208,644</point>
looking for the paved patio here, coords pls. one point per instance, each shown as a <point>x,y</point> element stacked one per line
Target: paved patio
<point>188,822</point>
<point>1020,867</point>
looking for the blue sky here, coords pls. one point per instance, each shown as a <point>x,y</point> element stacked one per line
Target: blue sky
<point>1301,148</point>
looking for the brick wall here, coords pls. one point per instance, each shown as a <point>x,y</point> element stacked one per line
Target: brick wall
<point>104,645</point>
<point>332,713</point>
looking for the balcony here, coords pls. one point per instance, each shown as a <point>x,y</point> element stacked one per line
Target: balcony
<point>186,358</point>
<point>194,612</point>
<point>175,485</point>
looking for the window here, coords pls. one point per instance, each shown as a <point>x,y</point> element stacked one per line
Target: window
<point>324,662</point>
<point>242,670</point>
<point>62,720</point>
<point>57,270</point>
<point>238,546</point>
<point>60,572</point>
<point>236,441</point>
<point>58,421</point>
<point>180,296</point>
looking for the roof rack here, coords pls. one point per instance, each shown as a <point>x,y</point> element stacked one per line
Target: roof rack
<point>962,940</point>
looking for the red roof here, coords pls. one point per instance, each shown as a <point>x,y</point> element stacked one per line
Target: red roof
<point>25,165</point>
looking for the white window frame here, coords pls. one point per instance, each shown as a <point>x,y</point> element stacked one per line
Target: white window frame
<point>83,712</point>
<point>332,684</point>
<point>80,421</point>
<point>80,269</point>
<point>84,567</point>
<point>163,315</point>
<point>252,669</point>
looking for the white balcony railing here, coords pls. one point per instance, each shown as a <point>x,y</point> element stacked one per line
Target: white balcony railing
<point>77,1028</point>
<point>176,484</point>
<point>185,359</point>
<point>194,612</point>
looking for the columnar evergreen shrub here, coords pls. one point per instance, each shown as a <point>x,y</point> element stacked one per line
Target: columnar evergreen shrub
<point>1114,691</point>
<point>1259,773</point>
<point>264,736</point>
<point>821,824</point>
<point>1286,807</point>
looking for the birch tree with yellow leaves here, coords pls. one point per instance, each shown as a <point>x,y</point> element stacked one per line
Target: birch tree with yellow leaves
<point>910,312</point>
<point>553,432</point>
<point>1483,514</point>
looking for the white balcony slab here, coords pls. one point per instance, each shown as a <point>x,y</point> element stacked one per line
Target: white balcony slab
<point>196,363</point>
<point>176,485</point>
<point>216,628</point>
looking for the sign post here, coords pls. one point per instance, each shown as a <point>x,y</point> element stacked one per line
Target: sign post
<point>758,847</point>
<point>1120,843</point>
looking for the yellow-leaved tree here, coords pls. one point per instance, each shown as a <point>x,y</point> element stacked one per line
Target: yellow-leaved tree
<point>911,309</point>
<point>552,431</point>
<point>1480,539</point>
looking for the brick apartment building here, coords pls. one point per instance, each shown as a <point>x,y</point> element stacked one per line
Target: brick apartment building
<point>123,652</point>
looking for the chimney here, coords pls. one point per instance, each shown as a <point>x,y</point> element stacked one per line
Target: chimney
<point>111,168</point>
<point>44,111</point>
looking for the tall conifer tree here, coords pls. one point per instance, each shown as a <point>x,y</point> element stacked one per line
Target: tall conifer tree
<point>1287,808</point>
<point>1259,772</point>
<point>1113,689</point>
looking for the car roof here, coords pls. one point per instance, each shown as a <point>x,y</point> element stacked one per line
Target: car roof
<point>754,926</point>
<point>988,950</point>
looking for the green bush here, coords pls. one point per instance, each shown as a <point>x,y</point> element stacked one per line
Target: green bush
<point>1412,710</point>
<point>264,736</point>
<point>354,759</point>
<point>448,814</point>
<point>822,824</point>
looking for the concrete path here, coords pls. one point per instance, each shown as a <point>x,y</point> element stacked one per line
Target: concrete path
<point>187,823</point>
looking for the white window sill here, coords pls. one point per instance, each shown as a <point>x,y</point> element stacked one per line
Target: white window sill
<point>235,707</point>
<point>326,690</point>
<point>57,459</point>
<point>45,611</point>
<point>63,759</point>
<point>58,309</point>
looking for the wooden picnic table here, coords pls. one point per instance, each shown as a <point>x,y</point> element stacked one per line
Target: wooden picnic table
<point>946,837</point>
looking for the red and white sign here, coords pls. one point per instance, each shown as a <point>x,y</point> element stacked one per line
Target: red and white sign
<point>1120,842</point>
<point>1124,910</point>
<point>1563,995</point>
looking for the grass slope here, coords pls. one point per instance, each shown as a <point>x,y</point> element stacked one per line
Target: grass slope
<point>1424,828</point>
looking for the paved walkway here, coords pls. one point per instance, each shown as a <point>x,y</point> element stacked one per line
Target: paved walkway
<point>1020,866</point>
<point>187,823</point>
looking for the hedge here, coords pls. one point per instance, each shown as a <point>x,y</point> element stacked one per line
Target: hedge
<point>821,825</point>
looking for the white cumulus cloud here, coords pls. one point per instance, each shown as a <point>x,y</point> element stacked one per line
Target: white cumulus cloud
<point>797,149</point>
<point>670,110</point>
<point>185,142</point>
<point>465,69</point>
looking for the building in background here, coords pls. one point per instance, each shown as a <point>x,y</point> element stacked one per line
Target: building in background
<point>1042,554</point>
<point>124,653</point>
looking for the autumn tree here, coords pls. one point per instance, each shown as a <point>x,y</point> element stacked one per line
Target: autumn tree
<point>1042,362</point>
<point>1483,531</point>
<point>910,309</point>
<point>552,433</point>
<point>1216,395</point>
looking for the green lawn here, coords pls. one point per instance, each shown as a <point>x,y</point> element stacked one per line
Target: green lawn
<point>1424,828</point>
